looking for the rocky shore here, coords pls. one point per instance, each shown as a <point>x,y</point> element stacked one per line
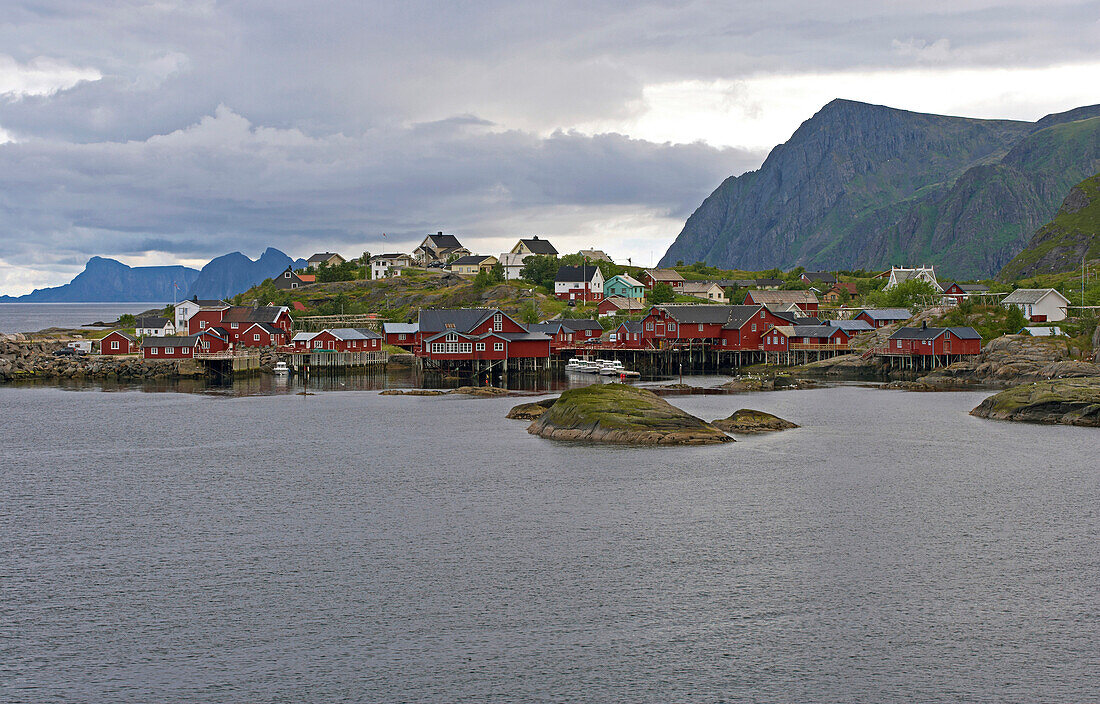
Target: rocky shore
<point>620,414</point>
<point>1062,401</point>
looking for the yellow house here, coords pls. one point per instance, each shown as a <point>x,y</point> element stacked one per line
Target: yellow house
<point>473,263</point>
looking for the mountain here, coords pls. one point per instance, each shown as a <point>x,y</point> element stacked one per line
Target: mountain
<point>233,273</point>
<point>1059,245</point>
<point>107,280</point>
<point>866,186</point>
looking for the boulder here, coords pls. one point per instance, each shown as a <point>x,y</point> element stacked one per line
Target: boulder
<point>747,420</point>
<point>530,411</point>
<point>482,391</point>
<point>621,414</point>
<point>1062,401</point>
<point>412,392</point>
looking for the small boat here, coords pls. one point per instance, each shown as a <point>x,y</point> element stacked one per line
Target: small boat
<point>281,368</point>
<point>611,367</point>
<point>628,374</point>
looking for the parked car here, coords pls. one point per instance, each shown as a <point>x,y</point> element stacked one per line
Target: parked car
<point>572,303</point>
<point>436,265</point>
<point>65,352</point>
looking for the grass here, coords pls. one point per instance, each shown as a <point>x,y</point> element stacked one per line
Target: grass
<point>619,407</point>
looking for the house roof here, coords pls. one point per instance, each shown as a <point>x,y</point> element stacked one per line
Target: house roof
<point>631,325</point>
<point>823,276</point>
<point>152,322</point>
<point>253,314</point>
<point>177,341</point>
<point>624,303</point>
<point>1030,295</point>
<point>966,288</point>
<point>471,259</point>
<point>886,313</point>
<point>782,297</point>
<point>442,241</point>
<point>625,279</point>
<point>709,314</point>
<point>851,325</point>
<point>529,336</point>
<point>303,336</point>
<point>323,257</point>
<point>848,286</point>
<point>596,255</point>
<point>1040,330</point>
<point>396,255</point>
<point>208,302</point>
<point>576,273</point>
<point>549,327</point>
<point>447,319</point>
<point>795,317</point>
<point>663,274</point>
<point>347,334</point>
<point>699,286</point>
<point>127,335</point>
<point>578,324</point>
<point>768,282</point>
<point>266,327</point>
<point>400,328</point>
<point>816,331</point>
<point>307,278</point>
<point>538,246</point>
<point>922,333</point>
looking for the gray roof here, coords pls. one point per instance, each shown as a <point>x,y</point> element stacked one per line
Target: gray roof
<point>664,274</point>
<point>576,273</point>
<point>549,327</point>
<point>457,319</point>
<point>184,341</point>
<point>850,325</point>
<point>520,336</point>
<point>815,330</point>
<point>127,335</point>
<point>209,302</point>
<point>303,336</point>
<point>538,246</point>
<point>689,314</point>
<point>795,317</point>
<point>631,325</point>
<point>822,276</point>
<point>887,313</point>
<point>323,256</point>
<point>1028,295</point>
<point>470,259</point>
<point>441,241</point>
<point>967,288</point>
<point>795,297</point>
<point>250,314</point>
<point>151,322</point>
<point>576,324</point>
<point>268,328</point>
<point>400,328</point>
<point>963,333</point>
<point>769,282</point>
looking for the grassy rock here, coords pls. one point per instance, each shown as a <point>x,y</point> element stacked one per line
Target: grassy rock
<point>747,420</point>
<point>1063,401</point>
<point>530,411</point>
<point>482,391</point>
<point>412,392</point>
<point>617,413</point>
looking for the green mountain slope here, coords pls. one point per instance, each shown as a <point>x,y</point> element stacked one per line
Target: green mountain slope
<point>1059,245</point>
<point>862,185</point>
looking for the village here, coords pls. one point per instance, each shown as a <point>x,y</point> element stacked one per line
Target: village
<point>654,319</point>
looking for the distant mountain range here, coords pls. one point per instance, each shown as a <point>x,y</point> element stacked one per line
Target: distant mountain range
<point>867,186</point>
<point>1060,244</point>
<point>108,280</point>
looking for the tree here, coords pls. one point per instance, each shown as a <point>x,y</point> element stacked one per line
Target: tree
<point>539,269</point>
<point>911,294</point>
<point>661,293</point>
<point>1014,321</point>
<point>530,312</point>
<point>496,274</point>
<point>127,320</point>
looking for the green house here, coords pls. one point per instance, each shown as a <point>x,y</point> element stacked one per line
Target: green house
<point>623,285</point>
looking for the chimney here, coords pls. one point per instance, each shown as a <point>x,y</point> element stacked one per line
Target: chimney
<point>924,325</point>
<point>440,233</point>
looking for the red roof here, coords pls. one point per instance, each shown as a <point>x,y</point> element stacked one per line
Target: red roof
<point>307,278</point>
<point>298,305</point>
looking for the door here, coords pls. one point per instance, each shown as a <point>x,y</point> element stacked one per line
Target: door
<point>659,330</point>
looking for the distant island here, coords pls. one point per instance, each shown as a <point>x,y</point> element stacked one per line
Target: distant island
<point>110,281</point>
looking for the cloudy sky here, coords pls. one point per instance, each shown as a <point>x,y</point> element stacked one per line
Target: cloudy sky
<point>165,131</point>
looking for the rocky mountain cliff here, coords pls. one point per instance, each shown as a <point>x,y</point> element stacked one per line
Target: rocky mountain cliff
<point>233,273</point>
<point>861,185</point>
<point>1059,245</point>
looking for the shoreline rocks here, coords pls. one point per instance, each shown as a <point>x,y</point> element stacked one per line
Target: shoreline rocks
<point>746,420</point>
<point>530,411</point>
<point>1063,402</point>
<point>621,414</point>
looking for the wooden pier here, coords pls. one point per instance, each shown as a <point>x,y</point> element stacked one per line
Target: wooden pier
<point>315,360</point>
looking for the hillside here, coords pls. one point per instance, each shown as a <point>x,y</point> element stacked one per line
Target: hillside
<point>1059,245</point>
<point>864,186</point>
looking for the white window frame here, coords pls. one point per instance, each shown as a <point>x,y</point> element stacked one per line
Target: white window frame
<point>114,344</point>
<point>498,346</point>
<point>169,350</point>
<point>480,347</point>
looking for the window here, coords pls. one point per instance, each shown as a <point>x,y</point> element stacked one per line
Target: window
<point>256,338</point>
<point>700,327</point>
<point>899,344</point>
<point>401,336</point>
<point>480,347</point>
<point>498,346</point>
<point>114,344</point>
<point>672,327</point>
<point>169,350</point>
<point>498,322</point>
<point>294,284</point>
<point>234,326</point>
<point>761,314</point>
<point>318,344</point>
<point>286,274</point>
<point>754,327</point>
<point>185,350</point>
<point>451,337</point>
<point>649,325</point>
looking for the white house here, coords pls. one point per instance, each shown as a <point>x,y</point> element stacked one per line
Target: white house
<point>185,309</point>
<point>1038,304</point>
<point>154,327</point>
<point>923,273</point>
<point>383,265</point>
<point>579,283</point>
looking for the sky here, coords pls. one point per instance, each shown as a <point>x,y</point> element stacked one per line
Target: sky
<point>172,132</point>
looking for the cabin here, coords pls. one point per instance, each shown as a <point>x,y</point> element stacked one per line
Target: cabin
<point>260,335</point>
<point>438,249</point>
<point>534,246</point>
<point>473,264</point>
<point>583,329</point>
<point>837,293</point>
<point>291,279</point>
<point>476,334</point>
<point>625,286</point>
<point>1039,305</point>
<point>768,284</point>
<point>175,347</point>
<point>154,327</point>
<point>185,309</point>
<point>746,327</point>
<point>400,334</point>
<point>118,342</point>
<point>579,283</point>
<point>926,341</point>
<point>385,265</point>
<point>786,338</point>
<point>301,341</point>
<point>617,305</point>
<point>345,340</point>
<point>806,301</point>
<point>956,293</point>
<point>237,319</point>
<point>707,290</point>
<point>652,277</point>
<point>817,277</point>
<point>900,275</point>
<point>677,324</point>
<point>881,317</point>
<point>324,259</point>
<point>628,335</point>
<point>852,327</point>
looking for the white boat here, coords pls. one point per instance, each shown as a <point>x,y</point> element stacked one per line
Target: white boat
<point>281,368</point>
<point>612,367</point>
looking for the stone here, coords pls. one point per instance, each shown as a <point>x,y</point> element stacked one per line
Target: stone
<point>530,411</point>
<point>746,420</point>
<point>1061,401</point>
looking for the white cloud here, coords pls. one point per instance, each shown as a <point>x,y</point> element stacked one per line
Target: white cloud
<point>41,76</point>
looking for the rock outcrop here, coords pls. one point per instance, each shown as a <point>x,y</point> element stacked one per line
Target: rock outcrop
<point>1012,359</point>
<point>530,411</point>
<point>747,420</point>
<point>1064,401</point>
<point>28,360</point>
<point>617,413</point>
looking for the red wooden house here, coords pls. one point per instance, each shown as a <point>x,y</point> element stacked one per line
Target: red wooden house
<point>926,341</point>
<point>651,277</point>
<point>236,319</point>
<point>746,327</point>
<point>881,317</point>
<point>473,334</point>
<point>805,300</point>
<point>346,340</point>
<point>118,342</point>
<point>782,338</point>
<point>178,347</point>
<point>628,335</point>
<point>400,334</point>
<point>261,335</point>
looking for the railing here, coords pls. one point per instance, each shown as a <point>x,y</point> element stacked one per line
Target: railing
<point>224,355</point>
<point>811,347</point>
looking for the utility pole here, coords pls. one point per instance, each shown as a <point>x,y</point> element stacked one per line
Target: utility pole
<point>1083,278</point>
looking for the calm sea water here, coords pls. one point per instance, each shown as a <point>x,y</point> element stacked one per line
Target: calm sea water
<point>31,317</point>
<point>348,547</point>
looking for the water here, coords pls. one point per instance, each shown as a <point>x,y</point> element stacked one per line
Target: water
<point>32,317</point>
<point>350,547</point>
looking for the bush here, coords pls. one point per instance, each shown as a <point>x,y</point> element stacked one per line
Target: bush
<point>661,293</point>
